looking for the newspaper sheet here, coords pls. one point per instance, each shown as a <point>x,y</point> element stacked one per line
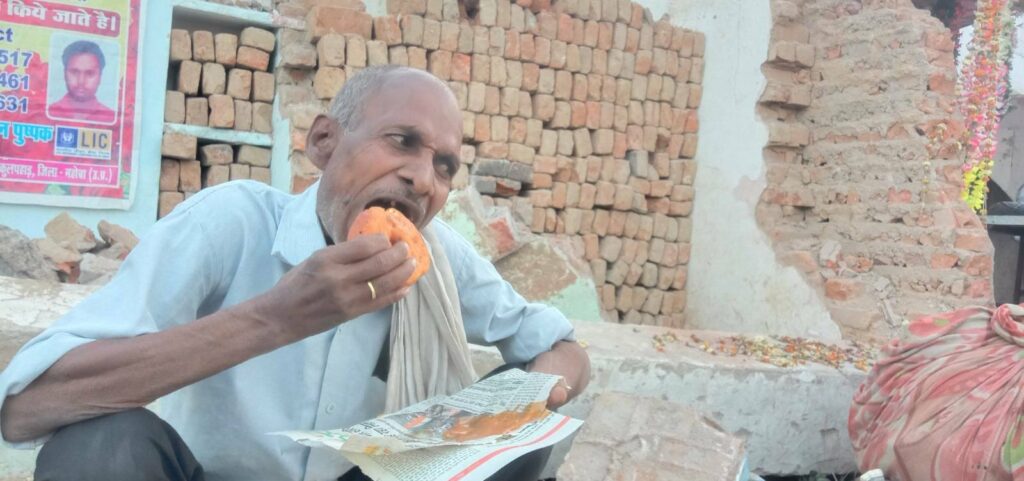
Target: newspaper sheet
<point>466,436</point>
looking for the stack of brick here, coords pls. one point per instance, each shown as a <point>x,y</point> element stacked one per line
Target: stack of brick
<point>188,167</point>
<point>864,179</point>
<point>582,117</point>
<point>221,81</point>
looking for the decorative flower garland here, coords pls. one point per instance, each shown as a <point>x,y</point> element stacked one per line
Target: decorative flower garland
<point>982,88</point>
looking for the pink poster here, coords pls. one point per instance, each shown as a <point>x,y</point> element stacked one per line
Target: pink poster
<point>68,87</point>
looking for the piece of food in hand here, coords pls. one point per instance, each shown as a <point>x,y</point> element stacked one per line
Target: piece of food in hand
<point>396,227</point>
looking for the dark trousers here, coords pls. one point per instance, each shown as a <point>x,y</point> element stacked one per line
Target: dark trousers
<point>136,444</point>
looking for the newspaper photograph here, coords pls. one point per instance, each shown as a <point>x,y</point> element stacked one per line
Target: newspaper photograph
<point>466,436</point>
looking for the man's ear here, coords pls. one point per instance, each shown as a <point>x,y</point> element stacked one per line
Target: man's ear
<point>322,139</point>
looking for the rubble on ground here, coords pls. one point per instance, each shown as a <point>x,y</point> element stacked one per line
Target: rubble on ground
<point>70,253</point>
<point>68,233</point>
<point>20,258</point>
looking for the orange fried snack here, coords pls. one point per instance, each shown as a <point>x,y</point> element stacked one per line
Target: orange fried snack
<point>396,227</point>
<point>484,425</point>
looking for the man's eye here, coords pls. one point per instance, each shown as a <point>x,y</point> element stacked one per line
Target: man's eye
<point>446,169</point>
<point>402,140</point>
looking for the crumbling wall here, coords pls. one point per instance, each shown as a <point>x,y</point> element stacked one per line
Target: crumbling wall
<point>736,284</point>
<point>863,169</point>
<point>580,116</point>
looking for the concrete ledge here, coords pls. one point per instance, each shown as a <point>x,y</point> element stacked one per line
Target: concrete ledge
<point>794,419</point>
<point>27,307</point>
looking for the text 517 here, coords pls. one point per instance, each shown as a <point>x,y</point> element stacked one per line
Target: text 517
<point>18,58</point>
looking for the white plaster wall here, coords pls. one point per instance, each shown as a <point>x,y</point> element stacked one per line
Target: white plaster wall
<point>735,283</point>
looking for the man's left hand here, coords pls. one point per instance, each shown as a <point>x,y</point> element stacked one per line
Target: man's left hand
<point>569,360</point>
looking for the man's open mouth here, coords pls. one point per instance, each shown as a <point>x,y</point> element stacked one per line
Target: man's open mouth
<point>408,208</point>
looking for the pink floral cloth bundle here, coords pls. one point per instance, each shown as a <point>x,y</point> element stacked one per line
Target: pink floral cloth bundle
<point>946,403</point>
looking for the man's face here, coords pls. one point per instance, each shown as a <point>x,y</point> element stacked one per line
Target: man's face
<point>403,154</point>
<point>82,76</point>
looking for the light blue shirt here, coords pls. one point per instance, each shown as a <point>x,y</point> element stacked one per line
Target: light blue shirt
<point>226,245</point>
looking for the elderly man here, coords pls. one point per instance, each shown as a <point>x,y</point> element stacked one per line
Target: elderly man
<point>246,312</point>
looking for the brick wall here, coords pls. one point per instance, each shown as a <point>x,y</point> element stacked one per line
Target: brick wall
<point>220,81</point>
<point>862,165</point>
<point>580,116</point>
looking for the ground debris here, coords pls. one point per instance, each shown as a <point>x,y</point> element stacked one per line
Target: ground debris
<point>781,351</point>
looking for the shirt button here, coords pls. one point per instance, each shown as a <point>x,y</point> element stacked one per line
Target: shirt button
<point>330,408</point>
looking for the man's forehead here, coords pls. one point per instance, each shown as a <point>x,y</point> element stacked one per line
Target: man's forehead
<point>85,56</point>
<point>406,80</point>
<point>397,95</point>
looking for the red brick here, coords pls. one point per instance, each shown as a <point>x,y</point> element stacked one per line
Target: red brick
<point>440,64</point>
<point>387,29</point>
<point>591,31</point>
<point>356,53</point>
<point>197,111</point>
<point>174,107</point>
<point>482,128</point>
<point>843,289</point>
<point>258,38</point>
<point>324,19</point>
<point>181,45</point>
<point>225,48</point>
<point>253,58</point>
<point>222,111</point>
<point>262,117</point>
<point>239,83</point>
<point>431,34</point>
<point>328,82</point>
<point>203,48</point>
<point>263,86</point>
<point>980,265</point>
<point>410,7</point>
<point>189,74</point>
<point>942,83</point>
<point>542,181</point>
<point>190,178</point>
<point>977,241</point>
<point>565,27</point>
<point>943,261</point>
<point>168,201</point>
<point>604,36</point>
<point>979,289</point>
<point>940,40</point>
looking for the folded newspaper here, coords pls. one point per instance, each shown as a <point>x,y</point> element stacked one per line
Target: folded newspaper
<point>467,436</point>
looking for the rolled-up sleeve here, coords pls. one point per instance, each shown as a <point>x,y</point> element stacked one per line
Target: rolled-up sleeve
<point>493,313</point>
<point>161,283</point>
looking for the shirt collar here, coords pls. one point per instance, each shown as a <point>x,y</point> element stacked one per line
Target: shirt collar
<point>299,234</point>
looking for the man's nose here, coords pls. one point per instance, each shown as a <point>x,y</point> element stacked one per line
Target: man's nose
<point>419,174</point>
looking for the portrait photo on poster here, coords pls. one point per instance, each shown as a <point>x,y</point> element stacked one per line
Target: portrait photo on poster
<point>84,79</point>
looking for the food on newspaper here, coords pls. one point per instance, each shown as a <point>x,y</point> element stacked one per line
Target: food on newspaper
<point>396,227</point>
<point>468,435</point>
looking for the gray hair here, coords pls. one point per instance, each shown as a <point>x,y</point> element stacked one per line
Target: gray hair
<point>347,106</point>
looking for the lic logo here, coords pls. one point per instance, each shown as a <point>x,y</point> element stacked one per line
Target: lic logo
<point>67,137</point>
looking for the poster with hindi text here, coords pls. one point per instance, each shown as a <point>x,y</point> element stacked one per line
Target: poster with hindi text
<point>69,121</point>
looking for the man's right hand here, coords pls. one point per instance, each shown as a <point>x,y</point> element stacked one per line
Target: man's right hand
<point>331,286</point>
